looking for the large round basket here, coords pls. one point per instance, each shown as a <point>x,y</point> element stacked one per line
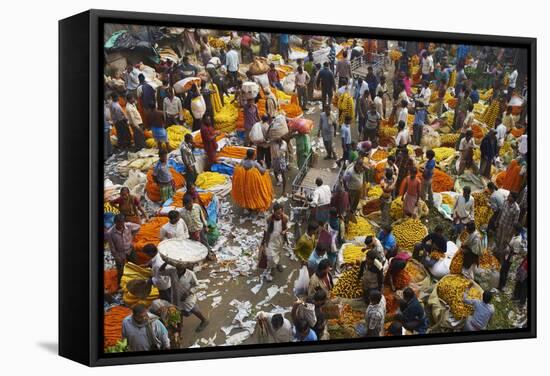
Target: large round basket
<point>182,252</point>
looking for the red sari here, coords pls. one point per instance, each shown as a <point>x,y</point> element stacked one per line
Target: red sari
<point>208,135</point>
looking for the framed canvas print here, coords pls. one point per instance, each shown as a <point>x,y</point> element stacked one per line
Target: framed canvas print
<point>234,187</point>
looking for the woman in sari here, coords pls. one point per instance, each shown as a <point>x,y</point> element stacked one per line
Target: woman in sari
<point>411,193</point>
<point>130,206</point>
<point>208,135</point>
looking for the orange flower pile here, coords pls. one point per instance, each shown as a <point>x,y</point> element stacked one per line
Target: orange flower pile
<point>292,110</point>
<point>252,189</point>
<point>441,182</point>
<point>489,261</point>
<point>379,171</point>
<point>499,179</point>
<point>512,180</point>
<point>457,262</point>
<point>478,132</point>
<point>391,301</point>
<point>197,139</point>
<point>148,233</point>
<point>148,133</point>
<point>204,197</point>
<point>152,188</point>
<point>436,255</point>
<point>517,132</point>
<point>240,121</point>
<point>379,154</point>
<point>110,281</point>
<point>237,152</point>
<point>402,280</point>
<point>112,325</point>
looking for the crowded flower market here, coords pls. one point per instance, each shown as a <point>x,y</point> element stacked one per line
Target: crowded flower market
<point>266,188</point>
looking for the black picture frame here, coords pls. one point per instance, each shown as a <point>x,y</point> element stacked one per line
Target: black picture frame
<point>80,167</point>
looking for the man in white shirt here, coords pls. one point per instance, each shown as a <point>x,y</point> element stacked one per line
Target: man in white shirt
<point>159,280</point>
<point>522,145</point>
<point>403,112</point>
<point>501,134</point>
<point>274,326</point>
<point>320,200</point>
<point>466,148</point>
<point>232,63</point>
<point>425,94</point>
<point>512,79</point>
<point>402,138</point>
<point>175,228</point>
<point>172,108</point>
<point>427,65</point>
<point>130,77</point>
<point>463,210</point>
<point>132,113</point>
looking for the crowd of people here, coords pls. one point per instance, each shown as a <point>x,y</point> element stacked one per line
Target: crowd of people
<point>411,89</point>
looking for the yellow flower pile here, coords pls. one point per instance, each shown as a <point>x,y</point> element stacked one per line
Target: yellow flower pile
<point>353,253</point>
<point>361,228</point>
<point>506,148</point>
<point>443,153</point>
<point>451,289</point>
<point>415,271</point>
<point>379,155</point>
<point>396,208</point>
<point>216,42</point>
<point>409,233</point>
<point>489,261</point>
<point>348,285</point>
<point>482,210</point>
<point>345,107</point>
<point>226,119</point>
<point>176,134</point>
<point>447,199</point>
<point>395,55</point>
<point>108,208</point>
<point>375,192</point>
<point>449,139</point>
<point>387,132</point>
<point>207,180</point>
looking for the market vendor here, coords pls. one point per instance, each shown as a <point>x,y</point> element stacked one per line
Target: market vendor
<point>387,183</point>
<point>411,313</point>
<point>189,160</point>
<point>320,200</point>
<point>371,275</point>
<point>307,242</point>
<point>387,239</point>
<point>466,148</point>
<point>483,311</point>
<point>251,117</point>
<point>463,210</point>
<point>354,178</point>
<point>321,279</point>
<point>162,176</point>
<point>158,279</point>
<point>274,240</point>
<point>172,108</point>
<point>120,238</point>
<point>375,314</point>
<point>208,135</point>
<point>319,253</point>
<point>193,216</point>
<point>175,228</point>
<point>411,194</point>
<point>183,283</point>
<point>273,328</point>
<point>508,216</point>
<point>396,265</point>
<point>130,206</point>
<point>144,331</point>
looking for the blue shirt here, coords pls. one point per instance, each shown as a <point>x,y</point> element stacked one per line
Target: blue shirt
<point>346,134</point>
<point>387,241</point>
<point>420,117</point>
<point>429,169</point>
<point>482,312</point>
<point>311,336</point>
<point>283,38</point>
<point>314,260</point>
<point>474,96</point>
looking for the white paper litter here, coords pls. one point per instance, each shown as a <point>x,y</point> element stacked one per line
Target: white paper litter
<point>216,301</point>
